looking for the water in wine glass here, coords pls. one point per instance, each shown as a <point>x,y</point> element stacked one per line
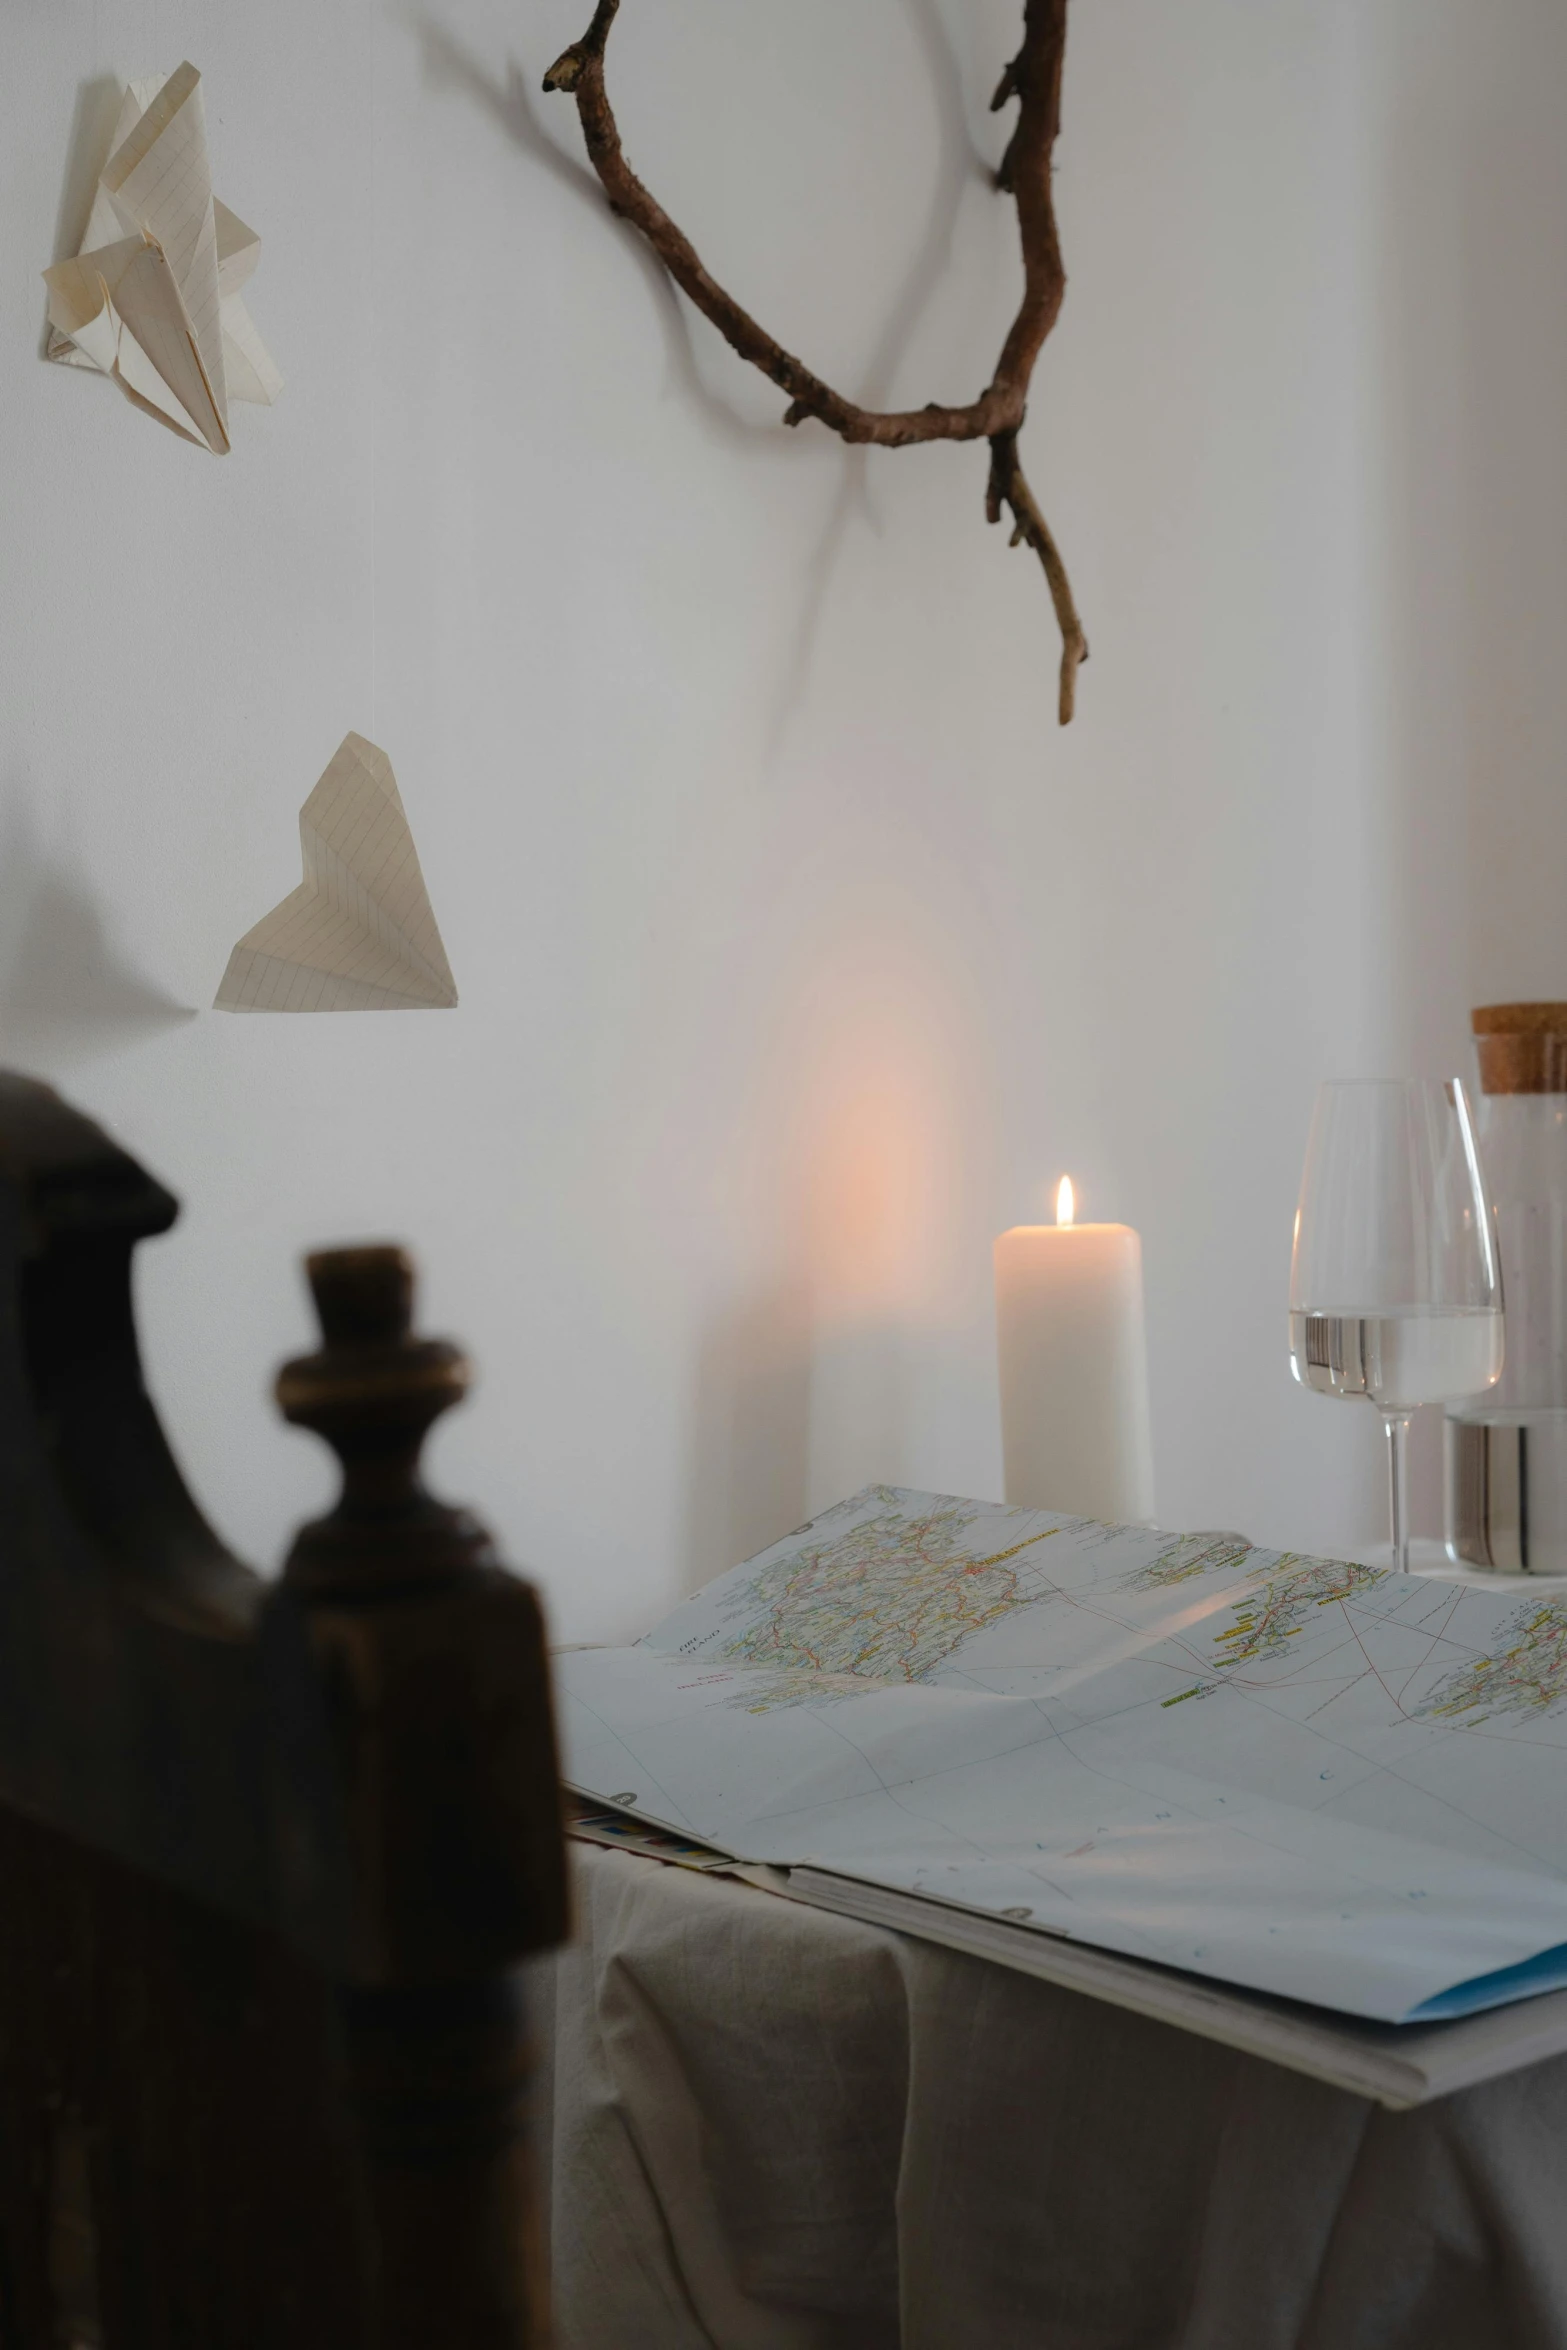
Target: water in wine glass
<point>1395,1287</point>
<point>1398,1360</point>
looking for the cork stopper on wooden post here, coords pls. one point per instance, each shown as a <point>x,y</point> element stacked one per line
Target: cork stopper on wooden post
<point>1522,1047</point>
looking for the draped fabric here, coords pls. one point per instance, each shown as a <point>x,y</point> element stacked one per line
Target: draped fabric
<point>775,2129</point>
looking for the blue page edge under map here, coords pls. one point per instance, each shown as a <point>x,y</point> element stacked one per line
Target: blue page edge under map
<point>1527,1980</point>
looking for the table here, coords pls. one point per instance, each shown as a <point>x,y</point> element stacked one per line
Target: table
<point>770,2128</point>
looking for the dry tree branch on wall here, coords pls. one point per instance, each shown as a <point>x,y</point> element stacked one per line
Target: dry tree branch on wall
<point>1034,80</point>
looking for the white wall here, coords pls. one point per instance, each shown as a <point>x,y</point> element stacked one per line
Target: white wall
<point>799,952</point>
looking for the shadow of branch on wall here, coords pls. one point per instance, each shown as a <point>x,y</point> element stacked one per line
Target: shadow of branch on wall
<point>958,163</point>
<point>68,992</point>
<point>512,104</point>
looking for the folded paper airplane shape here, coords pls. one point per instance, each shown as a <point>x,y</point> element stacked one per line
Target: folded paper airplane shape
<point>358,934</point>
<point>152,299</point>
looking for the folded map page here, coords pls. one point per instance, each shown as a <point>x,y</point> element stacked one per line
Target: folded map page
<point>1320,1780</point>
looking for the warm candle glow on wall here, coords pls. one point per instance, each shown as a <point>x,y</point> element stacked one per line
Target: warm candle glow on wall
<point>1066,1201</point>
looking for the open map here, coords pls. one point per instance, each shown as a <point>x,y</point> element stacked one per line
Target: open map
<point>1311,1778</point>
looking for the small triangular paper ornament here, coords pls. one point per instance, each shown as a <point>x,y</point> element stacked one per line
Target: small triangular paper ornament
<point>358,934</point>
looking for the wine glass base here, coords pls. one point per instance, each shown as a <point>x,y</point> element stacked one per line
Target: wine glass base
<point>1429,1558</point>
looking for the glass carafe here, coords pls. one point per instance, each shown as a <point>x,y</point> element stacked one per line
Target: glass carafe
<point>1507,1454</point>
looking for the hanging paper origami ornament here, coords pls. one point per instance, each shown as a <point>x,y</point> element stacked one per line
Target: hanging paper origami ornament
<point>358,934</point>
<point>152,299</point>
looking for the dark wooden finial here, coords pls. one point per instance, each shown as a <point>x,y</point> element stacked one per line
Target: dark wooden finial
<point>374,1391</point>
<point>430,1662</point>
<point>419,1823</point>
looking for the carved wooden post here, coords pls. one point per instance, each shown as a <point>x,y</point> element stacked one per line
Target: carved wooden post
<point>419,1835</point>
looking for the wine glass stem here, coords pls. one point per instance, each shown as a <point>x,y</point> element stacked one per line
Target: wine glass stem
<point>1397,1426</point>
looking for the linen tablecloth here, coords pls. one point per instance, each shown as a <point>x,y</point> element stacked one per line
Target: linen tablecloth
<point>774,2129</point>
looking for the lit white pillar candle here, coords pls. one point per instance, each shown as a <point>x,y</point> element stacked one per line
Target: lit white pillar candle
<point>1074,1368</point>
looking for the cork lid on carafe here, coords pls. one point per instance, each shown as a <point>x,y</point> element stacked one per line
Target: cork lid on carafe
<point>1522,1047</point>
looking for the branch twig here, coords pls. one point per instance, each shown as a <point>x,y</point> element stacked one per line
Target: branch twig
<point>1034,79</point>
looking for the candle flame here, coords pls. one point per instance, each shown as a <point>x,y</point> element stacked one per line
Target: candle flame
<point>1066,1203</point>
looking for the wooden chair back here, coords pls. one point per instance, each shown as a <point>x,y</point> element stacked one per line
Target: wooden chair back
<point>269,1852</point>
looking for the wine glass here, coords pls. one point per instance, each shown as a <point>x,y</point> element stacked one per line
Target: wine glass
<point>1395,1286</point>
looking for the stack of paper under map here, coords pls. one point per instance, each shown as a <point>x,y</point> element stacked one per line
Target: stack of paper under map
<point>1325,1782</point>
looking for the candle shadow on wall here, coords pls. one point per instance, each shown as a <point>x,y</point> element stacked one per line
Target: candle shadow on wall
<point>802,1389</point>
<point>859,1405</point>
<point>68,992</point>
<point>1473,381</point>
<point>751,1417</point>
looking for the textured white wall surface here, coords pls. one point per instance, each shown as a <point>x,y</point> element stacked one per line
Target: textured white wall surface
<point>799,951</point>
